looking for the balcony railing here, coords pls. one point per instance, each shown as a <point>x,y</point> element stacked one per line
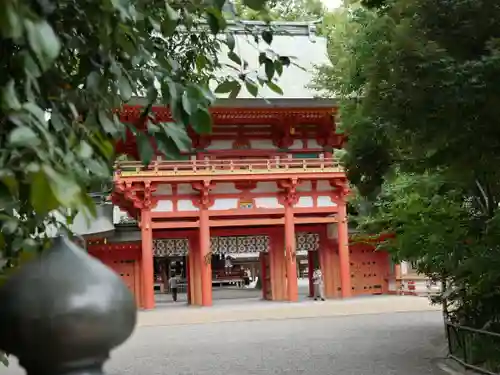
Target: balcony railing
<point>228,167</point>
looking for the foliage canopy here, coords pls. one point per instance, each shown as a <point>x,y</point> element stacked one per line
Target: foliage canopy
<point>67,65</point>
<point>416,84</point>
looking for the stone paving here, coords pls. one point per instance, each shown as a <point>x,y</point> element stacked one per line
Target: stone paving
<point>382,335</point>
<point>374,344</point>
<point>255,309</point>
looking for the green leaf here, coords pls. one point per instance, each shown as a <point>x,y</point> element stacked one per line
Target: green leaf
<point>11,24</point>
<point>255,4</point>
<point>57,121</point>
<point>43,42</point>
<point>10,226</point>
<point>278,66</point>
<point>93,80</point>
<point>201,120</point>
<point>41,196</point>
<point>178,134</point>
<point>24,137</point>
<point>216,21</point>
<point>84,150</point>
<point>8,178</point>
<point>106,123</point>
<point>10,100</point>
<point>235,92</point>
<point>226,87</point>
<point>234,57</point>
<point>146,151</point>
<point>125,88</point>
<point>273,86</point>
<point>167,146</point>
<point>153,128</point>
<point>30,245</point>
<point>230,41</point>
<point>285,60</point>
<point>37,113</point>
<point>267,36</point>
<point>170,23</point>
<point>188,103</point>
<point>64,187</point>
<point>269,68</point>
<point>252,88</point>
<point>172,14</point>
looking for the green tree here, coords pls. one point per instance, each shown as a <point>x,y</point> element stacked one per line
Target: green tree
<point>415,82</point>
<point>283,10</point>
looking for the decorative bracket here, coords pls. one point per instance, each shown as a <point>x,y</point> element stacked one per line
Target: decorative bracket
<point>138,194</point>
<point>289,195</point>
<point>204,187</point>
<point>340,189</point>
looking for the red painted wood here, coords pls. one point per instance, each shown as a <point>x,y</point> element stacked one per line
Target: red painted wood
<point>310,271</point>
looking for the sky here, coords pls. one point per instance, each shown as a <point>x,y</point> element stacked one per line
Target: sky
<point>332,3</point>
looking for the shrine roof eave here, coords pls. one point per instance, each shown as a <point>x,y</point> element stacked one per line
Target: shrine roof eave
<point>260,103</point>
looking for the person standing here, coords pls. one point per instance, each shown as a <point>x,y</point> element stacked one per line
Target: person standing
<point>318,284</point>
<point>173,283</point>
<point>228,265</point>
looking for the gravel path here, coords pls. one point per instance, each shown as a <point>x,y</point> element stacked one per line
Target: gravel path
<point>383,344</point>
<point>374,344</point>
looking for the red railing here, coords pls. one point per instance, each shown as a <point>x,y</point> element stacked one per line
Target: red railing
<point>240,166</point>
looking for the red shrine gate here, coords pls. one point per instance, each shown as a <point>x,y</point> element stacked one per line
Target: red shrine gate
<point>263,172</point>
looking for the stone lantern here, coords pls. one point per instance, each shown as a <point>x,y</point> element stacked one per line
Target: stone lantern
<point>64,312</point>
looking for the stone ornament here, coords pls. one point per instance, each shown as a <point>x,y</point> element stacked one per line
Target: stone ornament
<point>64,312</point>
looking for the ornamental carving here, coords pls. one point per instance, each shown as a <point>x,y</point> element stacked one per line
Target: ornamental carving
<point>138,194</point>
<point>204,199</point>
<point>289,195</point>
<point>340,189</point>
<point>246,185</point>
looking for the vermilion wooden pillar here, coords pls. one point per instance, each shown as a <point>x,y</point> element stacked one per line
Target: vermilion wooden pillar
<point>194,272</point>
<point>188,281</point>
<point>205,259</point>
<point>310,271</point>
<point>327,264</point>
<point>263,274</point>
<point>291,259</point>
<point>148,292</point>
<point>278,271</point>
<point>343,243</point>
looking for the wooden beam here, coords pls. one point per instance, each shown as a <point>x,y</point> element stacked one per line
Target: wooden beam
<point>242,222</point>
<point>315,220</point>
<point>246,222</point>
<point>174,225</point>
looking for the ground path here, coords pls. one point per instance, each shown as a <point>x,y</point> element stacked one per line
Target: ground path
<point>354,337</point>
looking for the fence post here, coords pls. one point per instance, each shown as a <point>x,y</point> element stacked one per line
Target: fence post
<point>64,312</point>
